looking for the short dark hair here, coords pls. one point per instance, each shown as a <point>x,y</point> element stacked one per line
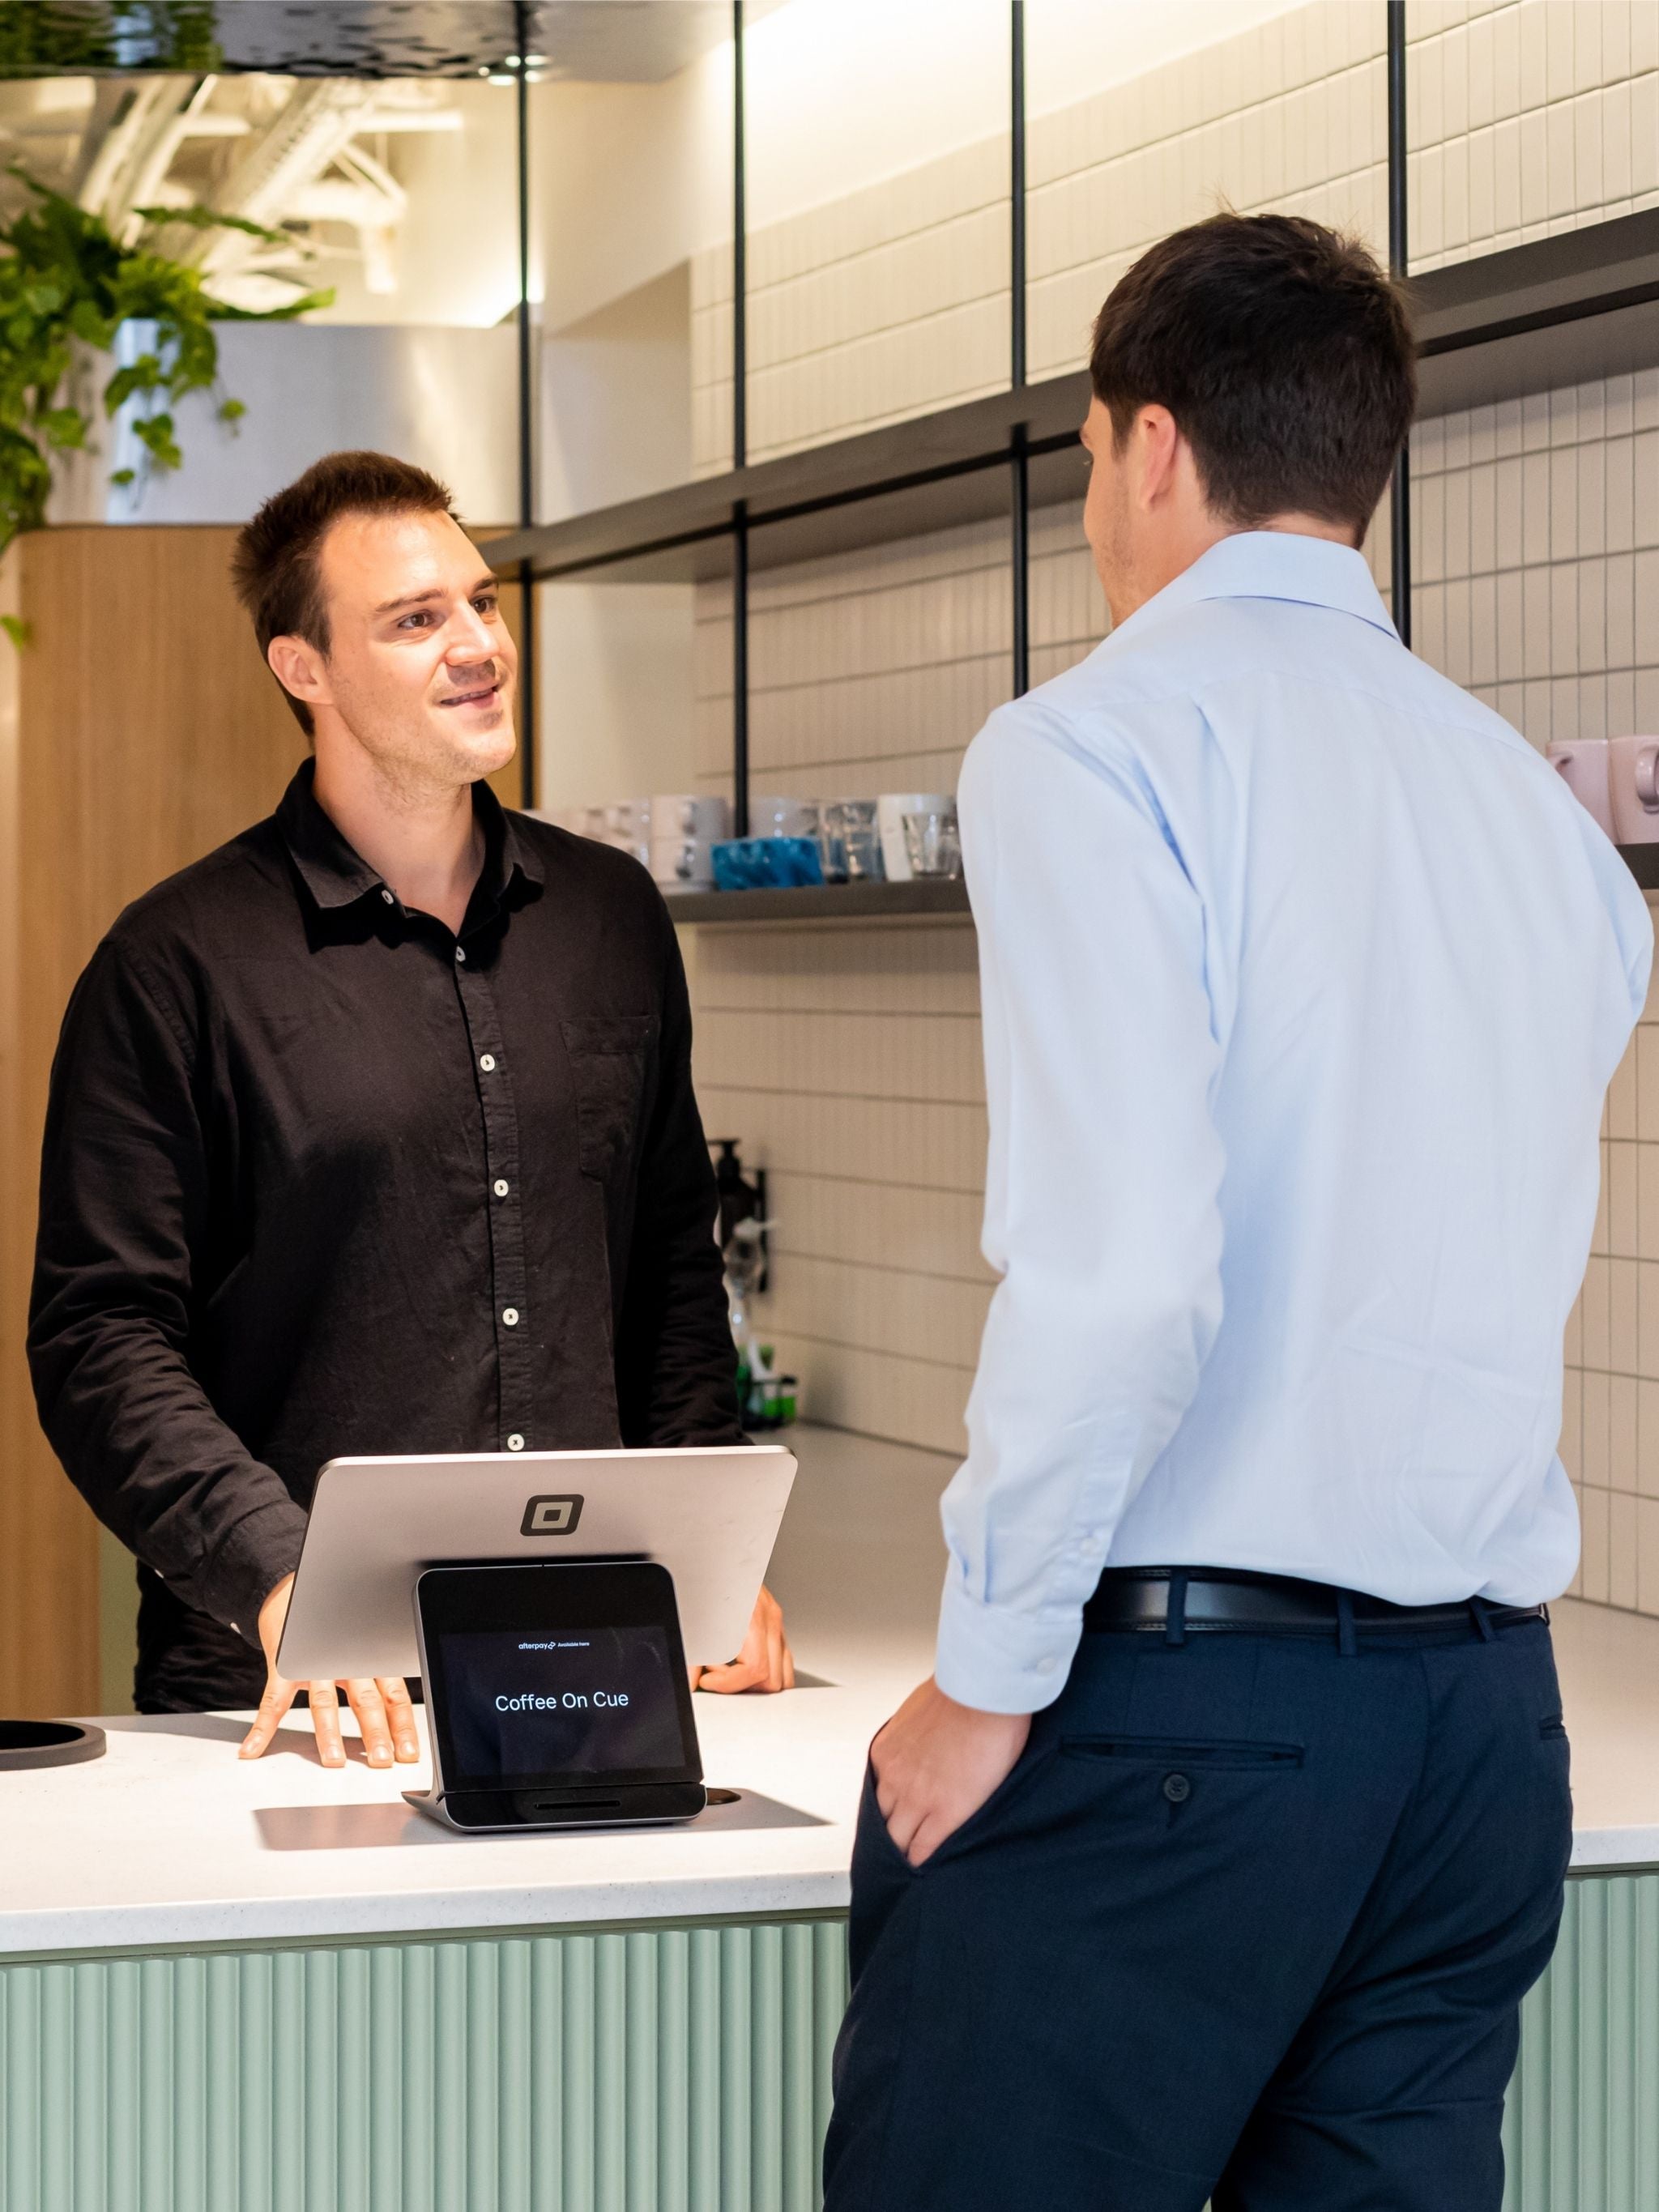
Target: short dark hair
<point>274,566</point>
<point>1285,354</point>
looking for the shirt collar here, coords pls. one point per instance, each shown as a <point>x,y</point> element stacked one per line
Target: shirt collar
<point>1271,564</point>
<point>336,875</point>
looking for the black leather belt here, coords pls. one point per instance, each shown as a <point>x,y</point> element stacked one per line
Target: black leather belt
<point>1174,1600</point>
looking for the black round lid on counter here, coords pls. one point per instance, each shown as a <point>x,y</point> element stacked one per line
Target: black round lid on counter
<point>47,1743</point>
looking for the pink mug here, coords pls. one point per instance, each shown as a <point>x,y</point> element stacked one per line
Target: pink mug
<point>1633,775</point>
<point>1584,766</point>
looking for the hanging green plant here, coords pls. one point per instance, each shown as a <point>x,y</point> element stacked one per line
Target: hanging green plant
<point>67,281</point>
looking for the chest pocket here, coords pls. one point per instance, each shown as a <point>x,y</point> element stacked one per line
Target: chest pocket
<point>609,1054</point>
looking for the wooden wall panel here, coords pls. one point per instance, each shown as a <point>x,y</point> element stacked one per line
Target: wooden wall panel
<point>150,731</point>
<point>147,732</point>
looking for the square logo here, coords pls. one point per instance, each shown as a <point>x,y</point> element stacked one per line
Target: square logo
<point>552,1517</point>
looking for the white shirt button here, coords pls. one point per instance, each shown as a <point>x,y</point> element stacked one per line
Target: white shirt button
<point>500,1186</point>
<point>460,952</point>
<point>487,1061</point>
<point>515,1441</point>
<point>510,1315</point>
<point>387,896</point>
<point>1045,1666</point>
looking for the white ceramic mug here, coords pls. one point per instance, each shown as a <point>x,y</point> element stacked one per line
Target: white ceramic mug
<point>1633,775</point>
<point>1584,766</point>
<point>683,863</point>
<point>772,816</point>
<point>891,810</point>
<point>696,814</point>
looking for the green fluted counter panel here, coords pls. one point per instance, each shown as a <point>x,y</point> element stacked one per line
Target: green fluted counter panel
<point>661,2070</point>
<point>666,2070</point>
<point>1581,2131</point>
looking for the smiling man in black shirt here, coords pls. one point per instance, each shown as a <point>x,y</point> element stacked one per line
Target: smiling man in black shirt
<point>371,1132</point>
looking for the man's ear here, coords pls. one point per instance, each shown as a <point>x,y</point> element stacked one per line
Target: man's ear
<point>301,670</point>
<point>1160,443</point>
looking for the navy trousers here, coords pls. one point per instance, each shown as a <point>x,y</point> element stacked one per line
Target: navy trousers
<point>1250,1922</point>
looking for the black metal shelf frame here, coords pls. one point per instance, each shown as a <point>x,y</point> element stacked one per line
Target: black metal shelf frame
<point>1560,310</point>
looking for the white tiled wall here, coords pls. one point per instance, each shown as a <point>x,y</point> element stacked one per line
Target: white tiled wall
<point>1535,551</point>
<point>1526,117</point>
<point>1535,529</point>
<point>848,1060</point>
<point>1610,1409</point>
<point>1290,114</point>
<point>892,299</point>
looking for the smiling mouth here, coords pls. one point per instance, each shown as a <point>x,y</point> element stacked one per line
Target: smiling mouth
<point>483,695</point>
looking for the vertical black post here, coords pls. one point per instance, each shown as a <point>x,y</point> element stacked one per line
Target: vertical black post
<point>740,670</point>
<point>1017,201</point>
<point>739,437</point>
<point>524,29</point>
<point>1398,268</point>
<point>739,252</point>
<point>1020,548</point>
<point>1022,564</point>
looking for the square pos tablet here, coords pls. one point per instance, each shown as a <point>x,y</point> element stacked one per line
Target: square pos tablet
<point>709,1516</point>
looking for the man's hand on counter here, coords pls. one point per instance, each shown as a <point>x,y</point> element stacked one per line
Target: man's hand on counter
<point>382,1706</point>
<point>936,1762</point>
<point>765,1661</point>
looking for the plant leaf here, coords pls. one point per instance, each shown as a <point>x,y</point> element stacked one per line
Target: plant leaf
<point>206,218</point>
<point>221,310</point>
<point>65,427</point>
<point>17,630</point>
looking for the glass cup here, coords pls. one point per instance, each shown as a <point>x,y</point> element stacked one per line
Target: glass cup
<point>851,842</point>
<point>932,842</point>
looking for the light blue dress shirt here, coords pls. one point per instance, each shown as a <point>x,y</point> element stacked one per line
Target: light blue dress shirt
<point>1304,977</point>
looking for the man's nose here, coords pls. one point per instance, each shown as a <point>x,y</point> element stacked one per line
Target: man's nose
<point>471,638</point>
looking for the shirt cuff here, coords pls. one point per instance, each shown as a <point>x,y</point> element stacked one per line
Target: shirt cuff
<point>999,1661</point>
<point>254,1555</point>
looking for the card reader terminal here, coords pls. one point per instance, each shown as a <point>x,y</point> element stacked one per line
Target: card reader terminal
<point>557,1695</point>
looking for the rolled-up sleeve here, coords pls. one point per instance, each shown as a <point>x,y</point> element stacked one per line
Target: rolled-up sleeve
<point>1102,1201</point>
<point>124,1209</point>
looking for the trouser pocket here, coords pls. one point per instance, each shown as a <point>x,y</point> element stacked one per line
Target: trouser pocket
<point>1174,1750</point>
<point>1172,1773</point>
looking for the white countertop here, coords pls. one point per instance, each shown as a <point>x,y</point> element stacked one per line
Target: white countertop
<point>170,1840</point>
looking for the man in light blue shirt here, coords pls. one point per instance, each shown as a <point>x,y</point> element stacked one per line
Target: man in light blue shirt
<point>1216,1858</point>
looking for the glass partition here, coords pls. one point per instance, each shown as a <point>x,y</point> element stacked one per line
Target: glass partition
<point>879,154</point>
<point>635,716</point>
<point>1140,119</point>
<point>872,665</point>
<point>631,227</point>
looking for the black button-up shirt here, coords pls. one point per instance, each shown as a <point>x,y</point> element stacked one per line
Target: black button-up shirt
<point>320,1178</point>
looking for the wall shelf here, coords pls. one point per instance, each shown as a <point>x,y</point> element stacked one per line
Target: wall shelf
<point>940,900</point>
<point>1559,311</point>
<point>844,904</point>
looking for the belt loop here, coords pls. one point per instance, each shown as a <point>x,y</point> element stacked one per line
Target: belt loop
<point>1483,1628</point>
<point>1175,1620</point>
<point>1346,1641</point>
